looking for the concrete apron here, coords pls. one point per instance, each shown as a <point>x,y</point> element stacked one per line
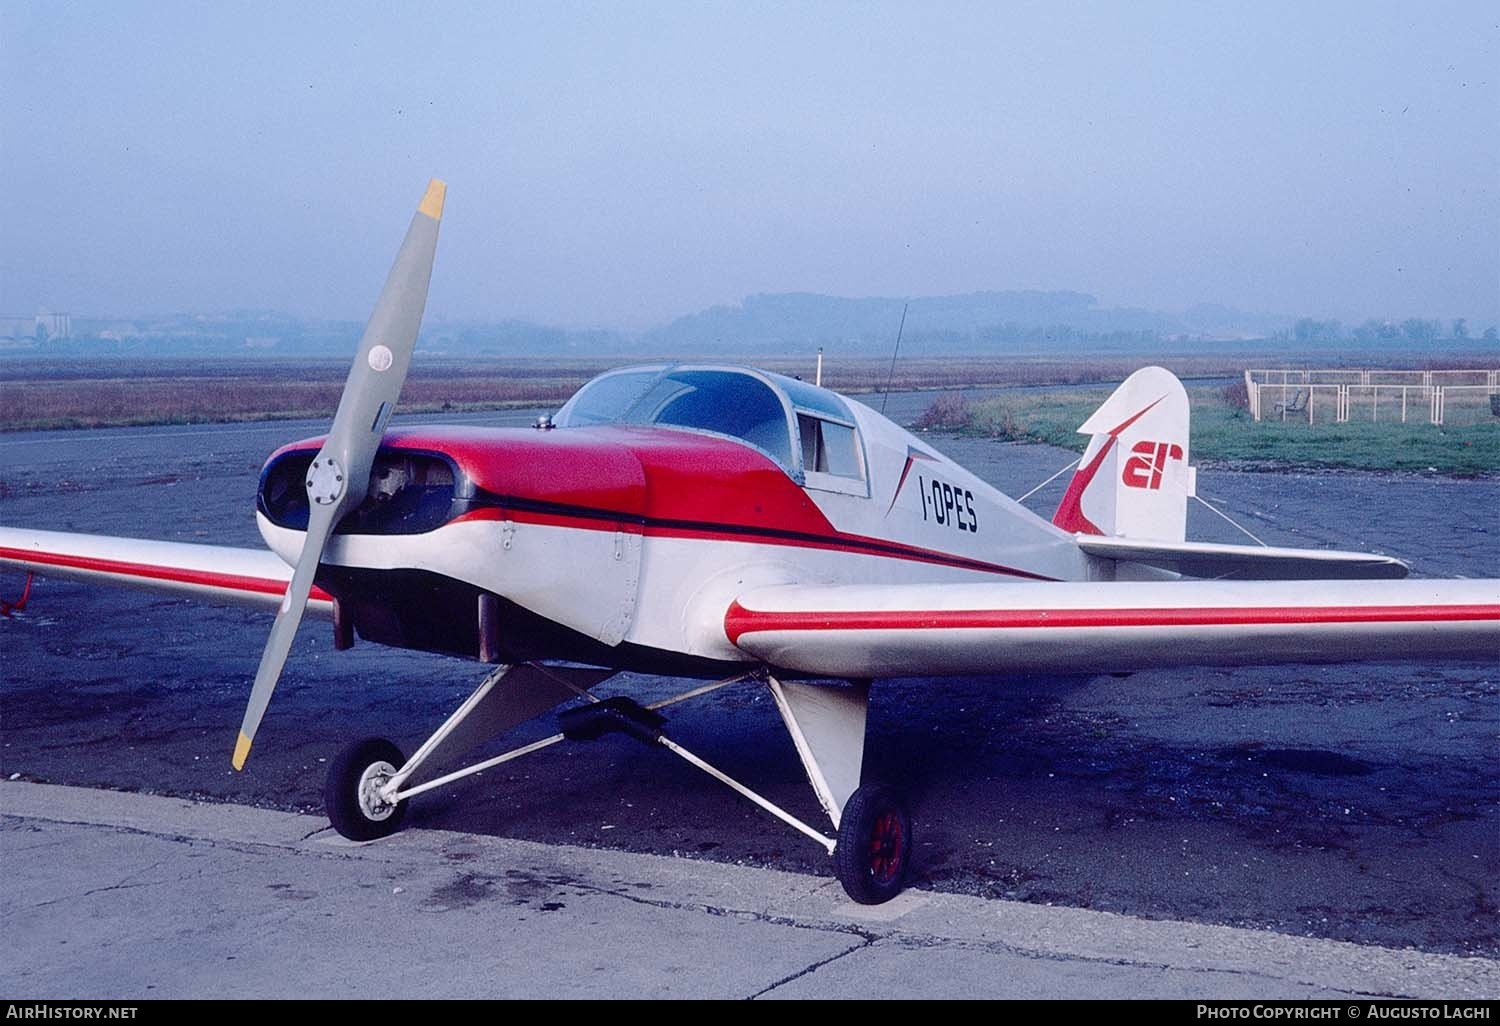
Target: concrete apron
<point>117,895</point>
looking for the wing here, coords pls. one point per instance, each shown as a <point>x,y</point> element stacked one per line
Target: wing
<point>978,629</point>
<point>254,577</point>
<point>1245,562</point>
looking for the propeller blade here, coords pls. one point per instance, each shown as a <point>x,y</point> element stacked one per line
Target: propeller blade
<point>319,526</point>
<point>339,477</point>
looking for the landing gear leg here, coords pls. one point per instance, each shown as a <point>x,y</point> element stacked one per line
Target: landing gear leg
<point>872,855</point>
<point>872,851</point>
<point>367,793</point>
<point>369,782</point>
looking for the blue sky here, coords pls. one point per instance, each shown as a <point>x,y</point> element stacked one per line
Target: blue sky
<point>618,164</point>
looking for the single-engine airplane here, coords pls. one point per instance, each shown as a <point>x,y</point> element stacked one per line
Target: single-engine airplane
<point>726,524</point>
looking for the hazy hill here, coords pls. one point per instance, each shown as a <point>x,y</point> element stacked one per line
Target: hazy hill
<point>977,323</point>
<point>798,320</point>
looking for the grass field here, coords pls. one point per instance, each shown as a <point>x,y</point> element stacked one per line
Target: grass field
<point>42,395</point>
<point>1222,431</point>
<point>37,394</point>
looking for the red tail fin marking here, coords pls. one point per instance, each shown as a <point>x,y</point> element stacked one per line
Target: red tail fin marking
<point>1145,469</point>
<point>1069,515</point>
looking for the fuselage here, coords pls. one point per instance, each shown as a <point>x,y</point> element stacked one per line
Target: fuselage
<point>626,540</point>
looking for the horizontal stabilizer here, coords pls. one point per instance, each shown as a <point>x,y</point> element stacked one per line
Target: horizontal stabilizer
<point>253,577</point>
<point>1246,562</point>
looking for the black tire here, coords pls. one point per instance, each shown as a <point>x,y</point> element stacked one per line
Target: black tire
<point>353,769</point>
<point>874,849</point>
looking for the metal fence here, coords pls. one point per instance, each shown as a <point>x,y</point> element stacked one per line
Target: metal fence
<point>1402,396</point>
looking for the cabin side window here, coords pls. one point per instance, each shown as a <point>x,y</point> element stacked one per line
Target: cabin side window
<point>832,459</point>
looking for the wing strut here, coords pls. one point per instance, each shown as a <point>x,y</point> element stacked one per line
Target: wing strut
<point>369,782</point>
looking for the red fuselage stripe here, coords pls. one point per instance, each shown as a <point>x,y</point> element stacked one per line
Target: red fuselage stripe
<point>740,621</point>
<point>850,543</point>
<point>121,568</point>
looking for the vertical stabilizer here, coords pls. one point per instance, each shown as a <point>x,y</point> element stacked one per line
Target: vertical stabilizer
<point>1134,479</point>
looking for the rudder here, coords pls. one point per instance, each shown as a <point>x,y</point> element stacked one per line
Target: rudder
<point>1134,479</point>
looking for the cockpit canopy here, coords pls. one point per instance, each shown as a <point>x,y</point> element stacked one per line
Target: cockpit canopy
<point>810,432</point>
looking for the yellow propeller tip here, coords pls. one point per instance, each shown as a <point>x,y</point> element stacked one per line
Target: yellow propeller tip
<point>241,751</point>
<point>432,202</point>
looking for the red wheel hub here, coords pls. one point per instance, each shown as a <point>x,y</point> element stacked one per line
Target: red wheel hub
<point>887,847</point>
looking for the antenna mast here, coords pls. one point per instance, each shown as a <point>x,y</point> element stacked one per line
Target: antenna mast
<point>891,376</point>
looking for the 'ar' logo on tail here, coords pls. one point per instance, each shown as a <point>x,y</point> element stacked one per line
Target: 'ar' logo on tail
<point>1144,470</point>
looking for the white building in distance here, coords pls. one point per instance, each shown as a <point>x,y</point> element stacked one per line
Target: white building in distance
<point>42,326</point>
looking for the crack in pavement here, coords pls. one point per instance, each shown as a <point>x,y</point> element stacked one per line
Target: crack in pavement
<point>123,885</point>
<point>814,967</point>
<point>32,847</point>
<point>1001,947</point>
<point>718,910</point>
<point>868,938</point>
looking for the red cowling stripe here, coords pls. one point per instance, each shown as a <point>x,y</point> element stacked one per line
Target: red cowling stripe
<point>740,621</point>
<point>203,578</point>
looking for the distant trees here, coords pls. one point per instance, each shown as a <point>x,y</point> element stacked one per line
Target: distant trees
<point>1420,330</point>
<point>1417,330</point>
<point>1309,330</point>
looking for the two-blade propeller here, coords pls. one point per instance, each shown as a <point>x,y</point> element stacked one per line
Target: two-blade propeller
<point>339,477</point>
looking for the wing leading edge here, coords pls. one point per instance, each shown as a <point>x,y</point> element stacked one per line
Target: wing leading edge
<point>1067,627</point>
<point>254,577</point>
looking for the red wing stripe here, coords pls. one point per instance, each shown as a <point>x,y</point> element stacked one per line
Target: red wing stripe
<point>740,621</point>
<point>121,568</point>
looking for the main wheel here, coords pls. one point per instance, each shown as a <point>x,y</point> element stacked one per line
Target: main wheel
<point>351,792</point>
<point>873,852</point>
